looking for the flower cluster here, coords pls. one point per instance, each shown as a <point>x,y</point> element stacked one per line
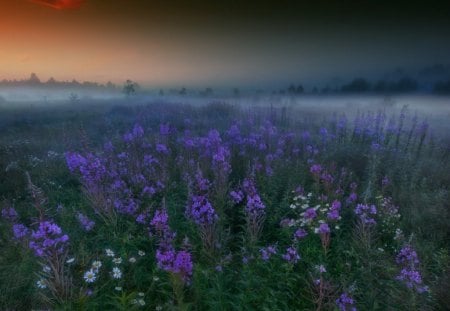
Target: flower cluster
<point>85,222</point>
<point>254,205</point>
<point>48,239</point>
<point>366,213</point>
<point>179,263</point>
<point>291,255</point>
<point>267,252</point>
<point>408,260</point>
<point>200,210</point>
<point>345,303</point>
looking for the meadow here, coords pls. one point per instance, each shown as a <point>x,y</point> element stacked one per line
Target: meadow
<point>268,203</point>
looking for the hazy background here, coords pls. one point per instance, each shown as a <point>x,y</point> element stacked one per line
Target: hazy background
<point>256,44</point>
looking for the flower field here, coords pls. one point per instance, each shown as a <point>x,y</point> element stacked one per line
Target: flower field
<point>167,206</point>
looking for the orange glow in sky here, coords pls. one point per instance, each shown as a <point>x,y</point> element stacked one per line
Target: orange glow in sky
<point>60,4</point>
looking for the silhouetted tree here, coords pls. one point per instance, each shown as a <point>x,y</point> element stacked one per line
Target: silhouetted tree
<point>442,87</point>
<point>358,85</point>
<point>34,79</point>
<point>183,91</point>
<point>130,87</point>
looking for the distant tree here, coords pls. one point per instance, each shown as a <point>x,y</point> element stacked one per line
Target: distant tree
<point>161,92</point>
<point>236,92</point>
<point>34,79</point>
<point>291,89</point>
<point>110,85</point>
<point>358,85</point>
<point>183,91</point>
<point>299,89</point>
<point>129,88</point>
<point>51,81</point>
<point>442,87</point>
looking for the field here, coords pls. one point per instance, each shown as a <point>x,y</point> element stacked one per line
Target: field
<point>252,203</point>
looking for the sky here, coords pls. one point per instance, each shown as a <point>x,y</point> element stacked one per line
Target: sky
<point>232,43</point>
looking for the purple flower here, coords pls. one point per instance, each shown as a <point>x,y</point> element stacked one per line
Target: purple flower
<point>366,213</point>
<point>407,255</point>
<point>345,303</point>
<point>267,252</point>
<point>323,228</point>
<point>19,231</point>
<point>300,234</point>
<point>316,169</point>
<point>310,214</point>
<point>200,210</point>
<point>48,239</point>
<point>10,214</point>
<point>85,222</point>
<point>237,196</point>
<point>160,221</point>
<point>291,255</point>
<point>182,265</point>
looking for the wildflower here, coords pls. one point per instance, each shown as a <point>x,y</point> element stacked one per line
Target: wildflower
<point>85,222</point>
<point>267,252</point>
<point>118,288</point>
<point>291,255</point>
<point>41,284</point>
<point>46,269</point>
<point>117,274</point>
<point>155,278</point>
<point>96,265</point>
<point>300,234</point>
<point>158,308</point>
<point>109,252</point>
<point>117,260</point>
<point>141,253</point>
<point>90,276</point>
<point>321,268</point>
<point>10,214</point>
<point>70,260</point>
<point>366,213</point>
<point>310,214</point>
<point>141,294</point>
<point>345,303</point>
<point>132,260</point>
<point>323,228</point>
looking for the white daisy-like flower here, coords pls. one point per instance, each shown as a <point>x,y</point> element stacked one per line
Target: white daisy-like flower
<point>132,260</point>
<point>155,278</point>
<point>96,265</point>
<point>109,252</point>
<point>70,260</point>
<point>117,274</point>
<point>118,288</point>
<point>41,284</point>
<point>141,294</point>
<point>158,308</point>
<point>141,253</point>
<point>117,260</point>
<point>46,269</point>
<point>90,276</point>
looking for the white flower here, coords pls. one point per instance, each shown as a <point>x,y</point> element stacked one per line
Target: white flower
<point>117,274</point>
<point>141,253</point>
<point>70,260</point>
<point>118,288</point>
<point>109,252</point>
<point>89,276</point>
<point>41,284</point>
<point>132,260</point>
<point>158,308</point>
<point>117,260</point>
<point>141,294</point>
<point>46,269</point>
<point>96,265</point>
<point>155,278</point>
